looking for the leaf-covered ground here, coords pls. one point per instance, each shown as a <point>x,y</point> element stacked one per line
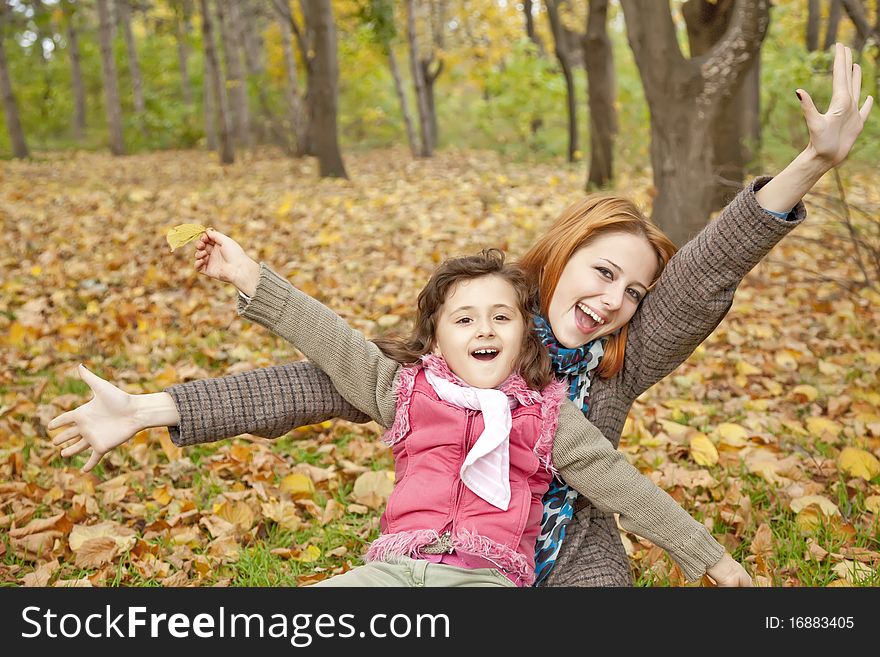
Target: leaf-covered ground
<point>769,434</point>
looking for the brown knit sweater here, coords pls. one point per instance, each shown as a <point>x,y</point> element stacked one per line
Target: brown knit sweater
<point>692,296</point>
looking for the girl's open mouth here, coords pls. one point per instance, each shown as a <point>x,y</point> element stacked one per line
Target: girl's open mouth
<point>488,353</point>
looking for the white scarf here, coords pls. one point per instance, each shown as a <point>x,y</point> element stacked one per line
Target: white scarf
<point>486,468</point>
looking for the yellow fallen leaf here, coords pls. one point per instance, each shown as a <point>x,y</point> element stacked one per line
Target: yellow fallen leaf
<point>310,554</point>
<point>746,369</point>
<point>703,452</point>
<point>298,486</point>
<point>872,504</point>
<point>675,430</point>
<point>125,537</point>
<point>805,393</point>
<point>819,426</point>
<point>828,507</point>
<point>732,434</point>
<point>183,233</point>
<point>284,513</point>
<point>858,463</point>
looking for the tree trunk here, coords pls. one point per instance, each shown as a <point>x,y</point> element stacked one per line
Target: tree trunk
<point>735,132</point>
<point>404,105</point>
<point>227,154</point>
<point>324,83</point>
<point>227,19</point>
<point>684,97</point>
<point>419,82</point>
<point>10,106</point>
<point>430,77</point>
<point>209,106</point>
<point>296,112</point>
<point>182,32</point>
<point>562,55</point>
<point>833,22</point>
<point>123,15</point>
<point>76,79</point>
<point>111,88</point>
<point>858,14</point>
<point>814,16</point>
<point>530,26</point>
<point>599,64</point>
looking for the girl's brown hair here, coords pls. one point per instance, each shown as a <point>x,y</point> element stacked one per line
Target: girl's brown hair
<point>578,225</point>
<point>533,363</point>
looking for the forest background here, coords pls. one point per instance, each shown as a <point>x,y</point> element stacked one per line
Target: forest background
<point>353,144</point>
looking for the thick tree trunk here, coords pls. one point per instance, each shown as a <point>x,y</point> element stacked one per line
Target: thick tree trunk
<point>123,15</point>
<point>76,79</point>
<point>530,26</point>
<point>228,20</point>
<point>562,55</point>
<point>684,97</point>
<point>599,64</point>
<point>681,158</point>
<point>814,17</point>
<point>735,132</point>
<point>834,13</point>
<point>111,84</point>
<point>404,105</point>
<point>182,29</point>
<point>324,83</point>
<point>298,121</point>
<point>10,106</point>
<point>427,146</point>
<point>227,153</point>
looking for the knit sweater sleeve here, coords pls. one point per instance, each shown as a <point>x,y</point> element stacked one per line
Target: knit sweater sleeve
<point>591,465</point>
<point>695,290</point>
<point>361,373</point>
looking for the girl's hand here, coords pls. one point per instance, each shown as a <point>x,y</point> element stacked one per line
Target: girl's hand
<point>728,572</point>
<point>105,422</point>
<point>221,257</point>
<point>832,134</point>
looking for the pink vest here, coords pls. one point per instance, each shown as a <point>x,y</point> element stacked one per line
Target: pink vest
<point>430,439</point>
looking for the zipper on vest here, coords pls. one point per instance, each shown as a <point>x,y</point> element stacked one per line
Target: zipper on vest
<point>460,484</point>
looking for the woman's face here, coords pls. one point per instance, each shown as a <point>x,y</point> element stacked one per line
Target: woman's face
<point>601,287</point>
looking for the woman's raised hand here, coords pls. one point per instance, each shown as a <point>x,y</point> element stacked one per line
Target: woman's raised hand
<point>106,421</point>
<point>221,257</point>
<point>833,134</point>
<point>728,572</point>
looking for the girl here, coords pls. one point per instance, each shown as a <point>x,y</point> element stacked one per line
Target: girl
<point>472,412</point>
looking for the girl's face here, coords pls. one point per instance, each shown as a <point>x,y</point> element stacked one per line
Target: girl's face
<point>601,287</point>
<point>479,331</point>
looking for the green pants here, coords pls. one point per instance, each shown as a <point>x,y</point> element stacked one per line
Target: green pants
<point>404,571</point>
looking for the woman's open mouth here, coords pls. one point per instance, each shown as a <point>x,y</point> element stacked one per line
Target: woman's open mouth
<point>586,320</point>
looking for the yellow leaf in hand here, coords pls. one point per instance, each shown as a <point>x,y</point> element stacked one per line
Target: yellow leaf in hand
<point>183,233</point>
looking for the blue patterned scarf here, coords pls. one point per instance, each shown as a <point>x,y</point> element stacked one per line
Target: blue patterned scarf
<point>577,365</point>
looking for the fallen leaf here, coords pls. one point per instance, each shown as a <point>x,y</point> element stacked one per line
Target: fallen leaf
<point>827,507</point>
<point>858,463</point>
<point>373,488</point>
<point>95,552</point>
<point>124,537</point>
<point>703,452</point>
<point>298,486</point>
<point>762,543</point>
